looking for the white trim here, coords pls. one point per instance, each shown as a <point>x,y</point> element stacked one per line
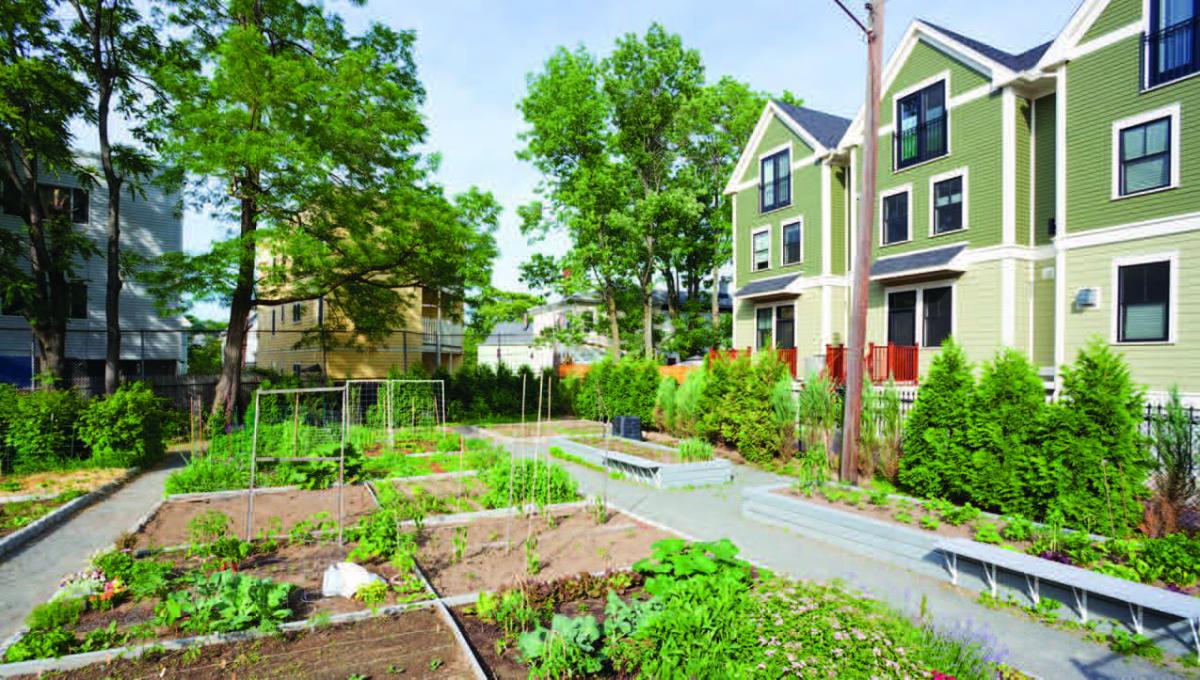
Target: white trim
<point>941,177</point>
<point>903,188</point>
<point>1001,252</point>
<point>772,151</point>
<point>1008,303</point>
<point>1077,27</point>
<point>1132,231</point>
<point>1060,315</point>
<point>733,228</point>
<point>826,219</point>
<point>919,321</point>
<point>1008,166</point>
<point>1171,111</point>
<point>952,103</point>
<point>799,285</point>
<point>798,219</point>
<point>1171,257</point>
<point>754,251</point>
<point>944,78</point>
<point>917,87</point>
<point>1060,154</point>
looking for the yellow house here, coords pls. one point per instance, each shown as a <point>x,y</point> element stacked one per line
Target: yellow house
<point>421,337</point>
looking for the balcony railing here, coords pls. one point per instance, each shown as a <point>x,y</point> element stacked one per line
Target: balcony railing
<point>921,143</point>
<point>787,355</point>
<point>1171,53</point>
<point>447,334</point>
<point>901,363</point>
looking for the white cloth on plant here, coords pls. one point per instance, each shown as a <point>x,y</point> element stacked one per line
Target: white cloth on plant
<point>344,579</point>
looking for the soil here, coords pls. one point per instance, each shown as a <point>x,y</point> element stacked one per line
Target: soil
<point>719,451</point>
<point>413,644</point>
<point>47,483</point>
<point>549,428</point>
<point>575,544</point>
<point>458,494</point>
<point>169,525</point>
<point>632,448</point>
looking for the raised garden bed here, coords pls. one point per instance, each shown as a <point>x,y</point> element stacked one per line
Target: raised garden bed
<point>15,487</point>
<point>571,542</point>
<point>658,465</point>
<point>15,515</point>
<point>414,643</point>
<point>549,428</point>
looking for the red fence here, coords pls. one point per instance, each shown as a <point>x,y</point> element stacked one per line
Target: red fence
<point>901,363</point>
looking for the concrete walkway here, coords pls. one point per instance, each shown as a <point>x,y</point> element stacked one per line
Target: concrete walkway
<point>715,512</point>
<point>30,576</point>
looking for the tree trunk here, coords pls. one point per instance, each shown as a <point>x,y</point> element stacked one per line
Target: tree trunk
<point>648,322</point>
<point>672,293</point>
<point>614,325</point>
<point>716,301</point>
<point>233,354</point>
<point>112,279</point>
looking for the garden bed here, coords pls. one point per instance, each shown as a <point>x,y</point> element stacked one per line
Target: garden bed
<point>658,465</point>
<point>414,643</point>
<point>443,494</point>
<point>168,524</point>
<point>15,487</point>
<point>573,542</point>
<point>15,515</point>
<point>549,428</point>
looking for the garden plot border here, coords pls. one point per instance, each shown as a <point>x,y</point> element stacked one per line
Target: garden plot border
<point>661,475</point>
<point>35,529</point>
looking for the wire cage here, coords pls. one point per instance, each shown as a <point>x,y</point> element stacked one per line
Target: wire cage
<point>304,427</point>
<point>390,413</point>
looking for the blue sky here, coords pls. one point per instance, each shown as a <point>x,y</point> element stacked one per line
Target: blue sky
<point>473,57</point>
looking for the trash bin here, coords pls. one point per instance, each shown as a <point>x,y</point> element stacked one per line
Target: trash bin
<point>628,427</point>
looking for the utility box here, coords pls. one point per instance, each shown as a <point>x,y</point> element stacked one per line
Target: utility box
<point>628,427</point>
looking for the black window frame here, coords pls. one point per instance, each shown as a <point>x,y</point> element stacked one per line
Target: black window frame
<point>754,250</point>
<point>78,208</point>
<point>884,214</point>
<point>1166,154</point>
<point>77,300</point>
<point>1123,290</point>
<point>930,135</point>
<point>297,312</point>
<point>272,322</point>
<point>894,310</point>
<point>946,319</point>
<point>785,315</point>
<point>759,330</point>
<point>781,184</point>
<point>960,205</point>
<point>1182,37</point>
<point>799,243</point>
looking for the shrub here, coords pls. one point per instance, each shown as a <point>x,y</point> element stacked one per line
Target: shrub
<point>56,614</point>
<point>936,451</point>
<point>124,429</point>
<point>749,417</point>
<point>619,388</point>
<point>1017,528</point>
<point>41,430</point>
<point>664,404</point>
<point>533,481</point>
<point>880,432</point>
<point>695,450</point>
<point>688,398</point>
<point>818,406</point>
<point>1094,450</point>
<point>1174,480</point>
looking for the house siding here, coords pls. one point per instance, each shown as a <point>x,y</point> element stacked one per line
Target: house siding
<point>924,62</point>
<point>806,203</point>
<point>1024,216</point>
<point>777,133</point>
<point>1103,88</point>
<point>1042,353</point>
<point>1045,113</point>
<point>838,230</point>
<point>1117,14</point>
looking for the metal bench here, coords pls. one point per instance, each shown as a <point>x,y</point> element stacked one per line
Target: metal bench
<point>1137,596</point>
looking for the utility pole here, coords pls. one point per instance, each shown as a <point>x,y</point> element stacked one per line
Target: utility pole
<point>862,255</point>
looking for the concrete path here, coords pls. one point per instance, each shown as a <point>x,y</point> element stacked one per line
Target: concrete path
<point>715,512</point>
<point>30,576</point>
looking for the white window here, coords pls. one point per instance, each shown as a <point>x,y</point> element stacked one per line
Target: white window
<point>921,315</point>
<point>761,248</point>
<point>1145,294</point>
<point>948,202</point>
<point>793,246</point>
<point>1145,152</point>
<point>895,215</point>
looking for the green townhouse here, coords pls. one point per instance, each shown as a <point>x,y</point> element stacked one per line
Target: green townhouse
<point>1032,200</point>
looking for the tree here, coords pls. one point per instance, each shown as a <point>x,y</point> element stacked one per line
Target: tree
<point>305,135</point>
<point>116,50</point>
<point>204,346</point>
<point>936,453</point>
<point>41,97</point>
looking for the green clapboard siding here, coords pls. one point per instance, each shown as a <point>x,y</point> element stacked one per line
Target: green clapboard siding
<point>743,324</point>
<point>1102,88</point>
<point>1043,313</point>
<point>925,62</point>
<point>975,141</point>
<point>806,203</point>
<point>1045,113</point>
<point>1117,14</point>
<point>1158,366</point>
<point>1024,216</point>
<point>838,216</point>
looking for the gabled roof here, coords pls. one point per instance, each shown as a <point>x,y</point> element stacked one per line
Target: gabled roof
<point>816,128</point>
<point>826,127</point>
<point>1016,62</point>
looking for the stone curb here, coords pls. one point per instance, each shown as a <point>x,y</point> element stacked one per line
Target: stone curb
<point>34,530</point>
<point>661,475</point>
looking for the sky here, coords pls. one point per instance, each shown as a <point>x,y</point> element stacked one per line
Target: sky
<point>473,57</point>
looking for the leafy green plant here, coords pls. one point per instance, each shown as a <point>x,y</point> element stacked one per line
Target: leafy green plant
<point>929,523</point>
<point>986,532</point>
<point>59,613</point>
<point>125,428</point>
<point>553,484</point>
<point>42,644</point>
<point>903,516</point>
<point>1122,641</point>
<point>1017,528</point>
<point>570,648</point>
<point>598,509</point>
<point>460,543</point>
<point>695,450</point>
<point>879,498</point>
<point>513,613</point>
<point>533,563</point>
<point>1174,480</point>
<point>959,515</point>
<point>372,594</point>
<point>936,447</point>
<point>225,601</point>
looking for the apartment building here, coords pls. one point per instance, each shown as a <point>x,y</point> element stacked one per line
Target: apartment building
<point>1034,200</point>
